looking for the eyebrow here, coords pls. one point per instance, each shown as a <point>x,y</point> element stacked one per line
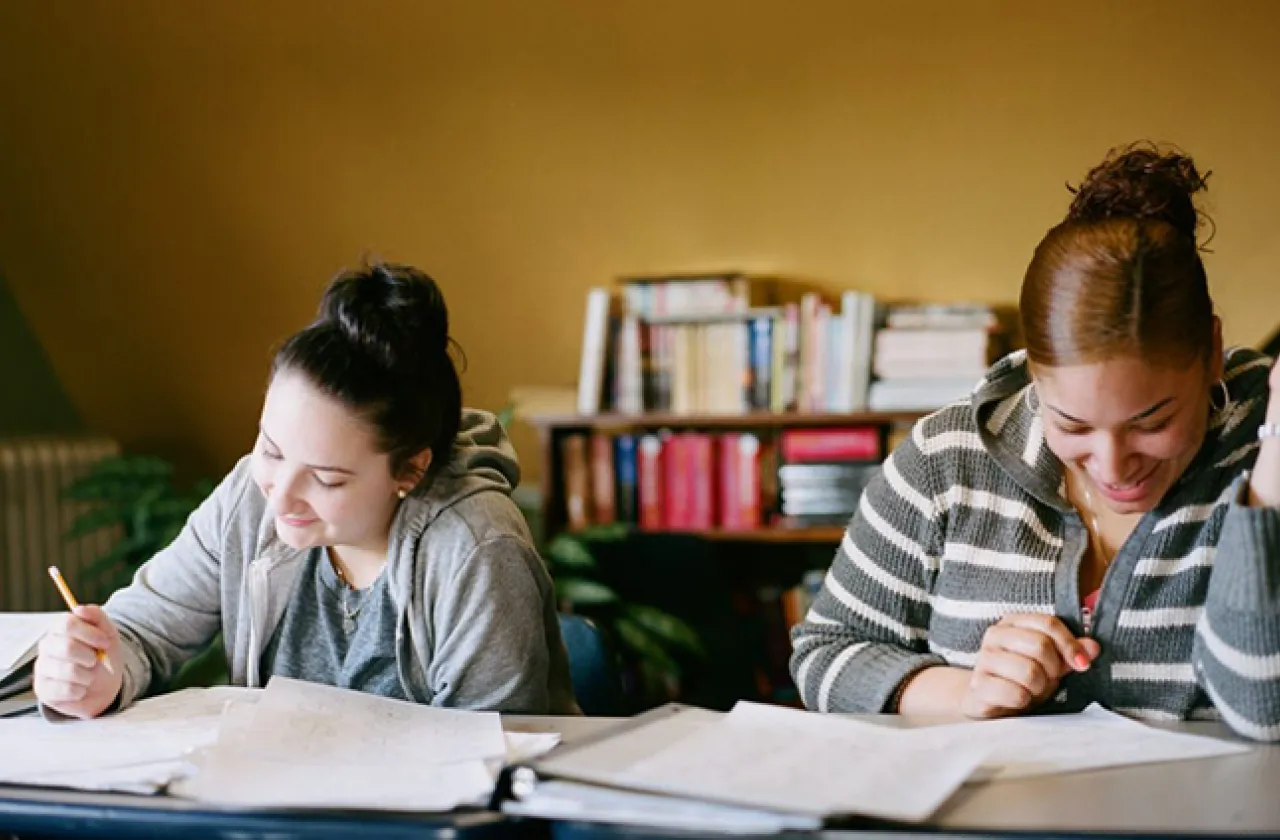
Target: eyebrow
<point>316,467</point>
<point>1142,415</point>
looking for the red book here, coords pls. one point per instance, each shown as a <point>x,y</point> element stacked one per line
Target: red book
<point>650,481</point>
<point>818,446</point>
<point>677,498</point>
<point>700,455</point>
<point>740,491</point>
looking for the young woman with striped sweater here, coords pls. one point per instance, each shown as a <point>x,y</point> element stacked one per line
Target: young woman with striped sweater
<point>1099,522</point>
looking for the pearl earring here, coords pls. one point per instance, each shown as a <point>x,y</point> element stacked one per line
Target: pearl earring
<point>402,494</point>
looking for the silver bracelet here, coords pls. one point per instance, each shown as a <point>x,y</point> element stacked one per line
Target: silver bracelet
<point>1269,430</point>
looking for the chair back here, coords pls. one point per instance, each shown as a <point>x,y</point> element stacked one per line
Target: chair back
<point>593,668</point>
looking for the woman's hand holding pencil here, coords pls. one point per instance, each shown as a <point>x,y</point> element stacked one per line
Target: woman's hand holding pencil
<point>74,671</point>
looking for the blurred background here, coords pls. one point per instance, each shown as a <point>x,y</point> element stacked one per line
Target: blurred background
<point>179,181</point>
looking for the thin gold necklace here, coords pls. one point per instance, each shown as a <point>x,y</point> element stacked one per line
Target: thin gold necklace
<point>348,614</point>
<point>1092,526</point>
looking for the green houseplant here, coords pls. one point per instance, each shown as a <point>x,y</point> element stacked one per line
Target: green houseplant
<point>651,642</point>
<point>138,496</point>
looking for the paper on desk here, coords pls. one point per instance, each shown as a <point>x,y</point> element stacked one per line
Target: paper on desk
<point>795,762</point>
<point>19,635</point>
<point>526,746</point>
<point>310,723</point>
<point>561,800</point>
<point>308,745</point>
<point>119,750</point>
<point>1091,740</point>
<point>230,777</point>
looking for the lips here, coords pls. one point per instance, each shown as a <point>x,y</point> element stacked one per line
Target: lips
<point>1126,493</point>
<point>296,521</point>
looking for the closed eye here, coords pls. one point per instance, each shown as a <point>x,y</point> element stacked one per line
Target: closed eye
<point>328,485</point>
<point>1153,428</point>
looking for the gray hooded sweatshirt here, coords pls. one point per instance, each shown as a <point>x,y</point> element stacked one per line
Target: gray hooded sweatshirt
<point>476,623</point>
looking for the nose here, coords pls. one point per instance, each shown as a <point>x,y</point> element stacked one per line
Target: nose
<point>1113,462</point>
<point>282,492</point>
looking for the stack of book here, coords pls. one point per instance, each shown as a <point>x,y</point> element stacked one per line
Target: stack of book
<point>723,344</point>
<point>928,356</point>
<point>823,472</point>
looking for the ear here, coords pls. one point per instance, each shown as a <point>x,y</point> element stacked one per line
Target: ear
<point>416,468</point>
<point>1216,365</point>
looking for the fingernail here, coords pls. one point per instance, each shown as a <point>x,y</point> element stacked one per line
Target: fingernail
<point>1082,662</point>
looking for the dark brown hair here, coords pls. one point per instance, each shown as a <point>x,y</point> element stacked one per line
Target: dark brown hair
<point>380,346</point>
<point>1122,274</point>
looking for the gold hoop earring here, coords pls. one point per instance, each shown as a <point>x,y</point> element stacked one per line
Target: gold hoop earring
<point>1220,389</point>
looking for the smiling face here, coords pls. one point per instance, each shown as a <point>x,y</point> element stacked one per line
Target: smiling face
<point>1127,428</point>
<point>319,466</point>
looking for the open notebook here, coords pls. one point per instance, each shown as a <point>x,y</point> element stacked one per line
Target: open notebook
<point>20,635</point>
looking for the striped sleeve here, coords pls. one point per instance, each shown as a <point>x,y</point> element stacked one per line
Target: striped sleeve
<point>1237,643</point>
<point>867,629</point>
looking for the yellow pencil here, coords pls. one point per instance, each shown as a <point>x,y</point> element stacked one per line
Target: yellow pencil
<point>72,603</point>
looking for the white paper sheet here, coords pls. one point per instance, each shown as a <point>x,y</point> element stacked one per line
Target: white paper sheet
<point>229,777</point>
<point>573,801</point>
<point>1091,740</point>
<point>19,635</point>
<point>526,746</point>
<point>304,745</point>
<point>305,722</point>
<point>798,762</point>
<point>115,752</point>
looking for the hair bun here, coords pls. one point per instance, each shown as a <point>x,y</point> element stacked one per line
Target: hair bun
<point>1141,182</point>
<point>394,311</point>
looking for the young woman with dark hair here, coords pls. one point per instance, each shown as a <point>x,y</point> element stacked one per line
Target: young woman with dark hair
<point>1100,522</point>
<point>368,541</point>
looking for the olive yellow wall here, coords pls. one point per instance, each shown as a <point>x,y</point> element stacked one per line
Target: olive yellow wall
<point>179,179</point>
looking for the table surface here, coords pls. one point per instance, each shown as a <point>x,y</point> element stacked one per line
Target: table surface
<point>1237,794</point>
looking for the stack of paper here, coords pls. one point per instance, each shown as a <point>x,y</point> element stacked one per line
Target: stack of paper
<point>307,745</point>
<point>293,744</point>
<point>779,759</point>
<point>138,750</point>
<point>20,635</point>
<point>765,769</point>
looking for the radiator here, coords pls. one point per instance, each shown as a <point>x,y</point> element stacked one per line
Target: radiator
<point>34,519</point>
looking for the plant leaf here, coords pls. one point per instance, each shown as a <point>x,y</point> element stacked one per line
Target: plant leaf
<point>638,640</point>
<point>665,626</point>
<point>612,532</point>
<point>95,520</point>
<point>570,552</point>
<point>583,591</point>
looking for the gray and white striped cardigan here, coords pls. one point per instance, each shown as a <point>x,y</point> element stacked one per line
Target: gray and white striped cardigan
<point>966,523</point>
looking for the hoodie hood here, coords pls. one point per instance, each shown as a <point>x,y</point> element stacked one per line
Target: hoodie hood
<point>483,460</point>
<point>1008,422</point>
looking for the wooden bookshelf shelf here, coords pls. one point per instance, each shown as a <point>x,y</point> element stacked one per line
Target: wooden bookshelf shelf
<point>781,536</point>
<point>777,535</point>
<point>763,419</point>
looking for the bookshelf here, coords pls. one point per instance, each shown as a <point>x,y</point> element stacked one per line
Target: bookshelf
<point>553,428</point>
<point>732,423</point>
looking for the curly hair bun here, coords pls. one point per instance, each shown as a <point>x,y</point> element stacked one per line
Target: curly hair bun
<point>1141,182</point>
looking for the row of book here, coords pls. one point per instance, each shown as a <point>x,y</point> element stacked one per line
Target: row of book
<point>728,344</point>
<point>730,481</point>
